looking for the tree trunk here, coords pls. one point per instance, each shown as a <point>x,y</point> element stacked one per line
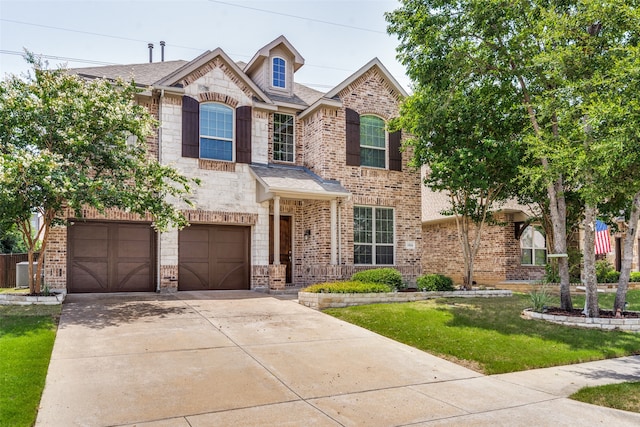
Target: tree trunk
<point>558,213</point>
<point>589,271</point>
<point>30,269</point>
<point>627,254</point>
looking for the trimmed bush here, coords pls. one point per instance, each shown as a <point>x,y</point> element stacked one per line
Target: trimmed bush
<point>389,276</point>
<point>612,277</point>
<point>348,287</point>
<point>435,282</point>
<point>605,272</point>
<point>634,276</point>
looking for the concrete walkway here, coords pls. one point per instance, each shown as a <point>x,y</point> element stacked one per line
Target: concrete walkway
<point>246,359</point>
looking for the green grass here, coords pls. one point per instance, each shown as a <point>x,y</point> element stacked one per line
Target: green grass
<point>26,340</point>
<point>625,396</point>
<point>606,299</point>
<point>487,334</point>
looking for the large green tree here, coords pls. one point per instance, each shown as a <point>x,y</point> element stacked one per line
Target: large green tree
<point>68,143</point>
<point>467,137</point>
<point>553,56</point>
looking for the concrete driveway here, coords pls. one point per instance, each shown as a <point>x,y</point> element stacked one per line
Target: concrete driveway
<point>246,359</point>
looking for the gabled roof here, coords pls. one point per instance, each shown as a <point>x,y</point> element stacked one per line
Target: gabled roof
<point>329,99</point>
<point>176,76</point>
<point>375,62</point>
<point>298,60</point>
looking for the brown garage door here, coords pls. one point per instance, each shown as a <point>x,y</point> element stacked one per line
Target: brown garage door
<point>213,257</point>
<point>110,257</point>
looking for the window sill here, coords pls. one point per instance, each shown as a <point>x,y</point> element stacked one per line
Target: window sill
<point>216,165</point>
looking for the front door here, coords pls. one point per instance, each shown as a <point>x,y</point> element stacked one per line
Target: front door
<point>285,243</point>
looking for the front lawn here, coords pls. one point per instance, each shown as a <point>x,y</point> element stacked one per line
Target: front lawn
<point>625,396</point>
<point>488,335</point>
<point>26,340</point>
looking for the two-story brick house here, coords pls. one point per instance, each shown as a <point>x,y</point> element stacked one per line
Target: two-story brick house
<point>298,186</point>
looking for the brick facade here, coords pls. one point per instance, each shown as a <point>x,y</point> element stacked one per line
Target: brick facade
<point>229,190</point>
<point>498,258</point>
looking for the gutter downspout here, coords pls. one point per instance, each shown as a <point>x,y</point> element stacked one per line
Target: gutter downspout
<point>339,233</point>
<point>159,243</point>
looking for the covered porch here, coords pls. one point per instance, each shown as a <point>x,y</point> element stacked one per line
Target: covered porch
<point>304,224</point>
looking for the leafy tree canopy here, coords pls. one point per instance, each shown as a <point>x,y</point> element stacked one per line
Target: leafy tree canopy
<point>71,143</point>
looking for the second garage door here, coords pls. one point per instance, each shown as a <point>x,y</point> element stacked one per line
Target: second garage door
<point>212,257</point>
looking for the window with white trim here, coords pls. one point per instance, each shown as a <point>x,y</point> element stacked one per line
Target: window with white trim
<point>373,146</point>
<point>373,235</point>
<point>216,132</point>
<point>283,141</point>
<point>279,73</point>
<point>533,246</point>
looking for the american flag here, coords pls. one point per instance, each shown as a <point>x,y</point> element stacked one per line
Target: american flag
<point>603,243</point>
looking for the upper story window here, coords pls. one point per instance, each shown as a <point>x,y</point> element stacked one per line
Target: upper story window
<point>533,247</point>
<point>283,141</point>
<point>279,73</point>
<point>373,235</point>
<point>216,132</point>
<point>372,142</point>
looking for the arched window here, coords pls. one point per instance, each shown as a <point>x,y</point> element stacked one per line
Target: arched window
<point>279,73</point>
<point>533,247</point>
<point>216,132</point>
<point>373,145</point>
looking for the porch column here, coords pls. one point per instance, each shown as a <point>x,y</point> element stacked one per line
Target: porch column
<point>276,230</point>
<point>334,232</point>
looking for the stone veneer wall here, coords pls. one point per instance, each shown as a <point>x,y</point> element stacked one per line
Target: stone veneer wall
<point>321,301</point>
<point>228,191</point>
<point>498,258</point>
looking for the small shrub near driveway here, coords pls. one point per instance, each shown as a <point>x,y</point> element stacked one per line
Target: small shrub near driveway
<point>435,283</point>
<point>348,287</point>
<point>388,276</point>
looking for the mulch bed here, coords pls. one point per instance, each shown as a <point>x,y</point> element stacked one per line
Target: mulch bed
<point>577,312</point>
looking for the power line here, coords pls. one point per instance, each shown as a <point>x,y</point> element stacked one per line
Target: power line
<point>59,58</point>
<point>298,17</point>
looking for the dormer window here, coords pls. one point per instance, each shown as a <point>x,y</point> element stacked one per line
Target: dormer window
<point>279,73</point>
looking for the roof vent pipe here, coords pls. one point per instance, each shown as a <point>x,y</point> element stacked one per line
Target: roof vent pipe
<point>162,51</point>
<point>150,52</point>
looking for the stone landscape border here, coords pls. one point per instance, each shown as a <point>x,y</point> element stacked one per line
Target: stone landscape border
<point>605,323</point>
<point>320,301</point>
<point>14,299</point>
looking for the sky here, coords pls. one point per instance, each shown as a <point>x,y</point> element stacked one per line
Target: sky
<point>336,38</point>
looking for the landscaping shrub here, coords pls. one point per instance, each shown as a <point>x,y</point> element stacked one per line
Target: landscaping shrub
<point>435,282</point>
<point>634,276</point>
<point>612,277</point>
<point>605,273</point>
<point>348,287</point>
<point>388,276</point>
<point>540,299</point>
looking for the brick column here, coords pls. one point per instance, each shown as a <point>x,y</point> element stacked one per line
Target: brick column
<point>277,277</point>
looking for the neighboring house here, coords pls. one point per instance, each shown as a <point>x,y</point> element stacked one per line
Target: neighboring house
<point>509,252</point>
<point>298,186</point>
